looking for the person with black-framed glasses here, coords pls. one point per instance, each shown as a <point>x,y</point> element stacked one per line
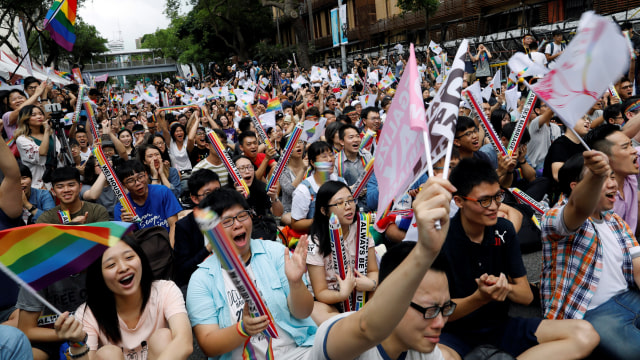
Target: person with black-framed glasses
<point>486,273</point>
<point>405,318</point>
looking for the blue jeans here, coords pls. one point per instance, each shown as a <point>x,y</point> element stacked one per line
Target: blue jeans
<point>14,344</point>
<point>617,321</point>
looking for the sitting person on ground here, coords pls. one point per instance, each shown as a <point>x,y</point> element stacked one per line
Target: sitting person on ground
<point>591,257</point>
<point>190,246</point>
<point>330,291</point>
<point>34,201</point>
<point>66,187</point>
<point>127,314</point>
<point>218,312</point>
<point>406,316</point>
<point>486,272</point>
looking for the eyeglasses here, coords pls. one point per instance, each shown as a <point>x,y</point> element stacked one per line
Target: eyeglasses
<point>622,87</point>
<point>241,217</point>
<point>245,168</point>
<point>204,194</point>
<point>139,178</point>
<point>485,202</point>
<point>342,203</point>
<point>432,311</point>
<point>199,132</point>
<point>468,133</point>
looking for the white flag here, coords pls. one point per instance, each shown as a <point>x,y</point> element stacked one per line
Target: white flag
<point>596,57</point>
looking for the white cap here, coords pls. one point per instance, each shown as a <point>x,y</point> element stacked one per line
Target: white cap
<point>355,102</point>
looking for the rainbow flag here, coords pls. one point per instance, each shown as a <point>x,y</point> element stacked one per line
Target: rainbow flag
<point>42,254</point>
<point>274,105</point>
<point>179,78</point>
<point>60,22</point>
<point>11,141</point>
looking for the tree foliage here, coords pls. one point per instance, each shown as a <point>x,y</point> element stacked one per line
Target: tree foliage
<point>428,6</point>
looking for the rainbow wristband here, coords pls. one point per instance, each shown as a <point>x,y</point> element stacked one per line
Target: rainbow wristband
<point>79,344</point>
<point>241,330</point>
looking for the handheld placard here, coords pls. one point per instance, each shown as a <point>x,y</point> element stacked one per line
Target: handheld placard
<point>525,115</point>
<point>286,154</point>
<point>226,160</point>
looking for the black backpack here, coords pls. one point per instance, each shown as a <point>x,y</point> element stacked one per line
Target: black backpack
<point>155,243</point>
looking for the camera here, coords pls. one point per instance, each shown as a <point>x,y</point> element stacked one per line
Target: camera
<point>52,108</point>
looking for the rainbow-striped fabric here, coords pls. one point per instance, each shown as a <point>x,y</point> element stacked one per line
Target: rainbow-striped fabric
<point>42,254</point>
<point>60,22</point>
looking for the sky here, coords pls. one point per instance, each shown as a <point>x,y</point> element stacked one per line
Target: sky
<point>129,19</point>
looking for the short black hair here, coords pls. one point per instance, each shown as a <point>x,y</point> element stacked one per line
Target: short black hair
<point>628,104</point>
<point>223,199</point>
<point>464,123</point>
<point>626,26</point>
<point>312,111</point>
<point>611,112</point>
<point>245,134</point>
<point>344,128</point>
<point>570,171</point>
<point>347,109</point>
<point>556,32</point>
<point>471,172</point>
<point>64,174</point>
<point>128,168</point>
<point>244,124</point>
<point>29,80</point>
<point>331,131</point>
<point>316,149</point>
<point>25,171</point>
<point>496,120</point>
<point>396,255</point>
<point>199,179</point>
<point>365,112</point>
<point>507,132</point>
<point>596,138</point>
<point>94,91</point>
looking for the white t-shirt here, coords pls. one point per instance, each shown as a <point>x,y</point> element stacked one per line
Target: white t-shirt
<point>538,58</point>
<point>556,49</point>
<point>318,352</point>
<point>302,197</point>
<point>283,347</point>
<point>612,281</point>
<point>179,158</point>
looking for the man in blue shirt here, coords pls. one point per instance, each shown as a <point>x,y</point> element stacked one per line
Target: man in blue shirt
<point>34,201</point>
<point>154,204</point>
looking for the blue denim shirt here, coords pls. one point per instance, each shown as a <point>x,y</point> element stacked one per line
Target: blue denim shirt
<point>41,199</point>
<point>207,301</point>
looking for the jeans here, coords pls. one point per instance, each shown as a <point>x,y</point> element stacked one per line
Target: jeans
<point>14,344</point>
<point>617,321</point>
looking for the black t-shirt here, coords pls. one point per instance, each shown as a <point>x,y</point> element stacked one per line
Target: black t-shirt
<point>560,151</point>
<point>196,155</point>
<point>466,261</point>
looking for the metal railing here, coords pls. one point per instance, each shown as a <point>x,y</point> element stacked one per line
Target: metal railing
<point>127,64</point>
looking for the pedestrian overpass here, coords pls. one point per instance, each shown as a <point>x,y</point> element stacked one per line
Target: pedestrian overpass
<point>133,62</point>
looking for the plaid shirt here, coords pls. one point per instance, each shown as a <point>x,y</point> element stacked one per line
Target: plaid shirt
<point>572,262</point>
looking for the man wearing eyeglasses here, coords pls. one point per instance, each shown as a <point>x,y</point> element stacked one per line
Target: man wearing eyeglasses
<point>486,272</point>
<point>190,246</point>
<point>154,204</point>
<point>405,318</point>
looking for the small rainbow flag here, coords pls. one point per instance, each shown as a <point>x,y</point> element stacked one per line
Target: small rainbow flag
<point>60,22</point>
<point>274,105</point>
<point>42,254</point>
<point>179,78</point>
<point>11,141</point>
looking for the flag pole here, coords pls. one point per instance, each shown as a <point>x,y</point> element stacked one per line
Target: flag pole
<point>12,74</point>
<point>28,287</point>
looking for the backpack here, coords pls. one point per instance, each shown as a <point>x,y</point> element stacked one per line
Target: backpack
<point>155,243</point>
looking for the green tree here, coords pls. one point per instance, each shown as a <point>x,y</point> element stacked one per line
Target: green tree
<point>290,10</point>
<point>428,6</point>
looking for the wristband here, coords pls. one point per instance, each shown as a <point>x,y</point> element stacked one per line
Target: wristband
<point>79,344</point>
<point>69,355</point>
<point>241,330</point>
<point>33,207</point>
<point>634,252</point>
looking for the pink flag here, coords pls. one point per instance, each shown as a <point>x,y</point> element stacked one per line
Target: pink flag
<point>102,78</point>
<point>411,79</point>
<point>401,155</point>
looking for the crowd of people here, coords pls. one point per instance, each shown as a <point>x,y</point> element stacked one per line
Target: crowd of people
<point>440,270</point>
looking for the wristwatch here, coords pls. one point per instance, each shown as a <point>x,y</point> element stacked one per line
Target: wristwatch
<point>33,207</point>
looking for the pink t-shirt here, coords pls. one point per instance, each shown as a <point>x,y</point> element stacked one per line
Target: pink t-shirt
<point>314,256</point>
<point>165,301</point>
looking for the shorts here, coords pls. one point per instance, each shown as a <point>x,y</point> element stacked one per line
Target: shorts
<point>515,336</point>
